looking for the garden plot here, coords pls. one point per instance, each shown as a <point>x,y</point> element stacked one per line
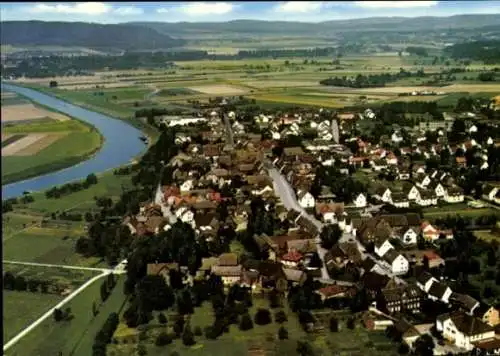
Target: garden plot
<point>17,147</point>
<point>27,112</point>
<point>218,89</point>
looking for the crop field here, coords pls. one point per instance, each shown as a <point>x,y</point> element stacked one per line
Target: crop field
<point>15,113</point>
<point>22,308</point>
<point>218,89</point>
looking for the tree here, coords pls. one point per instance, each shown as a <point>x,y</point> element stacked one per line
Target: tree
<point>162,319</point>
<point>330,235</point>
<point>91,179</point>
<point>188,336</point>
<point>20,283</point>
<point>53,84</point>
<point>58,314</point>
<point>274,299</point>
<point>262,317</point>
<point>141,350</point>
<point>280,317</point>
<point>350,323</point>
<point>282,333</point>
<point>403,349</point>
<point>163,339</point>
<point>9,281</point>
<point>424,346</point>
<point>246,322</point>
<point>315,261</point>
<point>334,324</point>
<point>304,348</point>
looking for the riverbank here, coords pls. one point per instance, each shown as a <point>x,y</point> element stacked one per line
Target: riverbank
<point>62,144</point>
<point>116,143</point>
<point>122,114</point>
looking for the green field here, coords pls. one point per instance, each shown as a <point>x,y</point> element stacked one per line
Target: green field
<point>22,308</point>
<point>74,337</point>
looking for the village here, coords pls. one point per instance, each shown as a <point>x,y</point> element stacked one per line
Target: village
<point>326,205</point>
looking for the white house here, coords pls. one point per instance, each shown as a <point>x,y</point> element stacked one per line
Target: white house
<point>187,186</point>
<point>413,193</point>
<point>184,214</point>
<point>425,281</point>
<point>438,189</point>
<point>427,198</point>
<point>360,201</point>
<point>454,194</point>
<point>440,291</point>
<point>383,194</point>
<point>429,232</point>
<point>463,330</point>
<point>397,263</point>
<point>305,199</point>
<point>409,237</point>
<point>382,247</point>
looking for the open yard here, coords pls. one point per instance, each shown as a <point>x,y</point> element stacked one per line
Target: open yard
<point>22,308</point>
<point>74,337</point>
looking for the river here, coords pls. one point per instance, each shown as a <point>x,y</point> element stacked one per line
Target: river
<point>121,145</point>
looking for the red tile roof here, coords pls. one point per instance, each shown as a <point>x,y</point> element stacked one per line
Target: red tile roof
<point>292,256</point>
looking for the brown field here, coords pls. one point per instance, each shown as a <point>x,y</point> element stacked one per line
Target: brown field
<point>16,148</point>
<point>218,89</point>
<point>8,94</point>
<point>5,136</point>
<point>471,88</point>
<point>37,146</point>
<point>12,113</point>
<point>281,83</point>
<point>93,85</point>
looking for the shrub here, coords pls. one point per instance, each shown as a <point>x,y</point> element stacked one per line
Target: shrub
<point>351,323</point>
<point>282,333</point>
<point>262,317</point>
<point>280,317</point>
<point>334,324</point>
<point>163,339</point>
<point>188,337</point>
<point>246,322</point>
<point>197,331</point>
<point>162,319</point>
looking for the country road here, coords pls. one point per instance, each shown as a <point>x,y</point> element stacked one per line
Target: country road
<point>120,268</point>
<point>287,195</point>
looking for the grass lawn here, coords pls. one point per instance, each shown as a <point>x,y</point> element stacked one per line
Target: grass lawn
<point>486,235</point>
<point>73,337</point>
<point>70,277</point>
<point>22,308</point>
<point>24,240</point>
<point>438,212</point>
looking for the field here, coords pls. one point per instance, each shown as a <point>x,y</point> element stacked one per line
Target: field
<point>25,239</point>
<point>36,140</point>
<point>260,339</point>
<point>74,337</point>
<point>21,308</point>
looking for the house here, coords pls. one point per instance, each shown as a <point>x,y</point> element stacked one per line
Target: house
<point>461,161</point>
<point>490,193</point>
<point>396,261</point>
<point>425,281</point>
<point>454,194</point>
<point>185,214</point>
<point>161,269</point>
<point>360,201</point>
<point>411,191</point>
<point>489,346</point>
<point>405,298</point>
<point>384,194</point>
<point>187,185</point>
<point>488,314</point>
<point>295,276</point>
<point>427,198</point>
<point>334,291</point>
<point>378,165</point>
<point>437,188</point>
<point>376,322</point>
<point>409,235</point>
<point>305,199</point>
<point>429,232</point>
<point>463,330</point>
<point>292,258</point>
<point>440,292</point>
<point>329,211</point>
<point>400,200</point>
<point>423,180</point>
<point>228,268</point>
<point>433,259</point>
<point>382,246</point>
<point>464,302</point>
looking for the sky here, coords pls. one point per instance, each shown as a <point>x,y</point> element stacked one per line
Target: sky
<point>220,11</point>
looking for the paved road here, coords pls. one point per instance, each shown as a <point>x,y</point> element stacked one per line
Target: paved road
<point>120,268</point>
<point>229,131</point>
<point>287,195</point>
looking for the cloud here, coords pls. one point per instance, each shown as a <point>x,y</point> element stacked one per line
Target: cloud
<point>394,4</point>
<point>84,8</point>
<point>299,6</point>
<point>128,11</point>
<point>162,10</point>
<point>206,8</point>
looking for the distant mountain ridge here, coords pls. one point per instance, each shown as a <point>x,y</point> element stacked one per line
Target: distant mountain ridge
<point>81,34</point>
<point>291,27</point>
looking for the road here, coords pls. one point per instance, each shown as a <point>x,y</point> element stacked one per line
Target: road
<point>109,270</point>
<point>287,195</point>
<point>229,130</point>
<point>120,268</point>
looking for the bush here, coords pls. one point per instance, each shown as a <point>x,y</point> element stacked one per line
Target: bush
<point>246,322</point>
<point>403,349</point>
<point>163,339</point>
<point>282,333</point>
<point>262,317</point>
<point>334,324</point>
<point>351,323</point>
<point>280,317</point>
<point>162,319</point>
<point>188,337</point>
<point>197,331</point>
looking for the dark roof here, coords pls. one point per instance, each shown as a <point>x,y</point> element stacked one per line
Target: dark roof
<point>403,292</point>
<point>481,310</point>
<point>490,344</point>
<point>270,269</point>
<point>391,255</point>
<point>395,220</point>
<point>463,300</point>
<point>438,289</point>
<point>468,324</point>
<point>374,281</point>
<point>424,277</point>
<point>413,219</point>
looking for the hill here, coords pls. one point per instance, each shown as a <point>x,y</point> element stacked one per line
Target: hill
<point>88,35</point>
<point>392,24</point>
